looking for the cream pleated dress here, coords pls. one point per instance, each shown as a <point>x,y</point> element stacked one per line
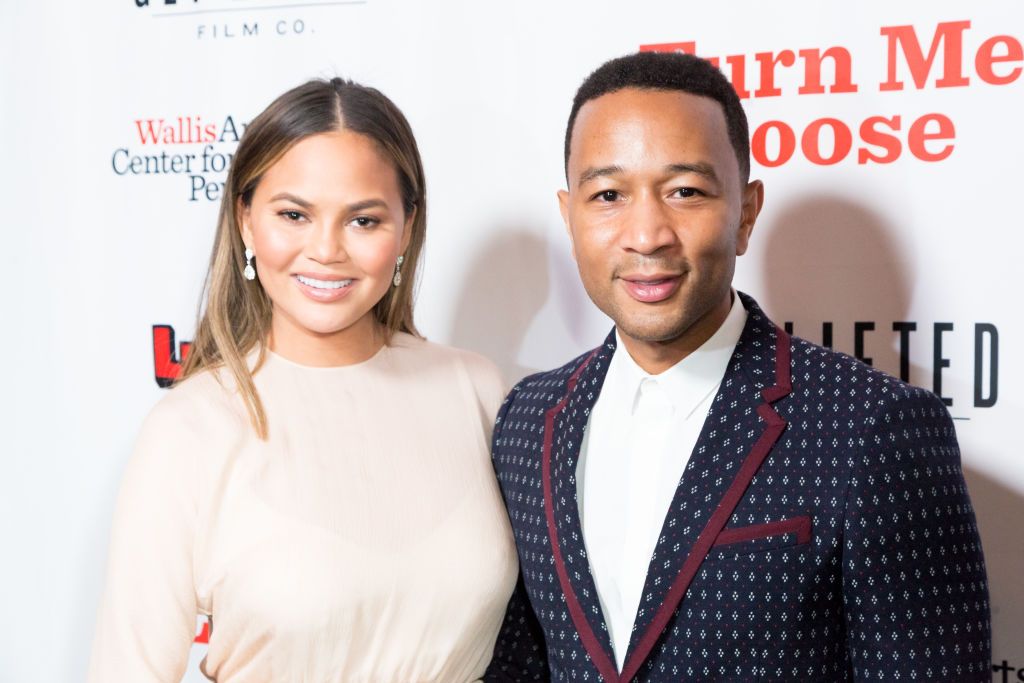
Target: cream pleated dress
<point>364,541</point>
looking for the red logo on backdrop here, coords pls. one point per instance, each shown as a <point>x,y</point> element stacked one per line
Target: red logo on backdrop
<point>167,356</point>
<point>877,139</point>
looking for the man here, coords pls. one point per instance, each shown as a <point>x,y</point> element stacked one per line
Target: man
<point>703,497</point>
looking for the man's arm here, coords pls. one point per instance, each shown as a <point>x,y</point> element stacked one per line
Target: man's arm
<point>914,586</point>
<point>519,653</point>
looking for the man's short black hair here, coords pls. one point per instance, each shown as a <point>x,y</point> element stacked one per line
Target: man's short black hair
<point>668,71</point>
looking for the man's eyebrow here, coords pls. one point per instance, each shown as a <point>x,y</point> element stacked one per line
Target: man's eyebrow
<point>594,173</point>
<point>700,168</point>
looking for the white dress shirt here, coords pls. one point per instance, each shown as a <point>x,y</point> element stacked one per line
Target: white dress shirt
<point>638,440</point>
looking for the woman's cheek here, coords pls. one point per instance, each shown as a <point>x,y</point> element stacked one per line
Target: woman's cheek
<point>376,254</point>
<point>276,247</point>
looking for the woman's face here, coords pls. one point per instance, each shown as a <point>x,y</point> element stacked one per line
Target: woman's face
<point>326,225</point>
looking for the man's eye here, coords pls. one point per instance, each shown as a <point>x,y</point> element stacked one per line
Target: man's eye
<point>607,196</point>
<point>685,192</point>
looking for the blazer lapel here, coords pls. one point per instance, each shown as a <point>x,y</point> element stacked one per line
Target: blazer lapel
<point>564,425</point>
<point>740,430</point>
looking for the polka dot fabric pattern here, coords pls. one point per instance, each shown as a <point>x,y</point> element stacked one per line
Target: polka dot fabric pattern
<point>821,531</point>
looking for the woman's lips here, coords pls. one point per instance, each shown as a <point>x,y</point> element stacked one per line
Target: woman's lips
<point>323,290</point>
<point>650,290</point>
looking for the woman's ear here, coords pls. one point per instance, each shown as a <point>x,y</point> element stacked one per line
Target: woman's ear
<point>244,222</point>
<point>410,220</point>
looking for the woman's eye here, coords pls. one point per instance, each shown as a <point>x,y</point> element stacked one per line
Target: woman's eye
<point>365,221</point>
<point>607,196</point>
<point>293,216</point>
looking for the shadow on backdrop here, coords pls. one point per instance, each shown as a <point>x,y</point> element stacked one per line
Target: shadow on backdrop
<point>829,259</point>
<point>506,286</point>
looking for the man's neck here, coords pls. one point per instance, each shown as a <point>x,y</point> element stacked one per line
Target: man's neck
<point>655,357</point>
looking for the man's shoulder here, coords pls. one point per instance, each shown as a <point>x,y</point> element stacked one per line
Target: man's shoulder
<point>821,374</point>
<point>548,387</point>
<point>830,379</point>
<point>526,405</point>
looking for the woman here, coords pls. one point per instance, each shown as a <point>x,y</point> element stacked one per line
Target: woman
<point>319,484</point>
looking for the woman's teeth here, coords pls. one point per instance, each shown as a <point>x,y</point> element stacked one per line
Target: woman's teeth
<point>323,284</point>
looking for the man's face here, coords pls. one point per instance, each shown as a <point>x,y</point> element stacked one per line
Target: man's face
<point>656,211</point>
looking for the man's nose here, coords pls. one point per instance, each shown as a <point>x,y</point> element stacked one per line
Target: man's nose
<point>648,225</point>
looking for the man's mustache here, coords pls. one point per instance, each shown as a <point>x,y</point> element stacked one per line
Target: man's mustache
<point>650,264</point>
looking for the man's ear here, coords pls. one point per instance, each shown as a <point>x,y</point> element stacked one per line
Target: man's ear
<point>563,206</point>
<point>753,200</point>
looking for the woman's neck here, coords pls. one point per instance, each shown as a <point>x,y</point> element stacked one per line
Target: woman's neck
<point>356,343</point>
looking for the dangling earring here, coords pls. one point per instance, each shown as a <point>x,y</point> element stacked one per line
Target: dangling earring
<point>250,272</point>
<point>398,271</point>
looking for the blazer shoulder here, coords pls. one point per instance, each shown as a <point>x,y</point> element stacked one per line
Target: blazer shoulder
<point>520,419</point>
<point>817,367</point>
<point>886,421</point>
<point>548,387</point>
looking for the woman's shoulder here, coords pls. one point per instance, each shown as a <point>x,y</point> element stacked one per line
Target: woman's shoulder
<point>176,437</point>
<point>194,407</point>
<point>485,376</point>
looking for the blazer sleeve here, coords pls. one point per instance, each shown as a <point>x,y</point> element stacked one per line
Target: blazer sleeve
<point>519,653</point>
<point>147,615</point>
<point>914,586</point>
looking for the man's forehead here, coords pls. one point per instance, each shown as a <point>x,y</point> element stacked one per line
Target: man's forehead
<point>648,103</point>
<point>634,119</point>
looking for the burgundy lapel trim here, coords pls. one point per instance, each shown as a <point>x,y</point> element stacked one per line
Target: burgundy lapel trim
<point>605,666</point>
<point>774,426</point>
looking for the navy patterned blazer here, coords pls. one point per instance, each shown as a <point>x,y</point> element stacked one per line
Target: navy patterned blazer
<point>821,531</point>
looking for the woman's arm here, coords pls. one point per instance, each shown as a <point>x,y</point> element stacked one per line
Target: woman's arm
<point>147,615</point>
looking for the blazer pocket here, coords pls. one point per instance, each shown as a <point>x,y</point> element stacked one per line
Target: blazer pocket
<point>757,538</point>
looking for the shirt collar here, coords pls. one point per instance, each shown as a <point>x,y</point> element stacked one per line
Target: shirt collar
<point>688,382</point>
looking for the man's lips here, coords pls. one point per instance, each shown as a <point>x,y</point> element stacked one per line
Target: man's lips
<point>649,289</point>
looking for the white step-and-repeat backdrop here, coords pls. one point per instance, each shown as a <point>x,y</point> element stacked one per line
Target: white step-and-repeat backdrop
<point>887,134</point>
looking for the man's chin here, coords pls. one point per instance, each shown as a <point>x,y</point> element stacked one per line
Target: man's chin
<point>653,333</point>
